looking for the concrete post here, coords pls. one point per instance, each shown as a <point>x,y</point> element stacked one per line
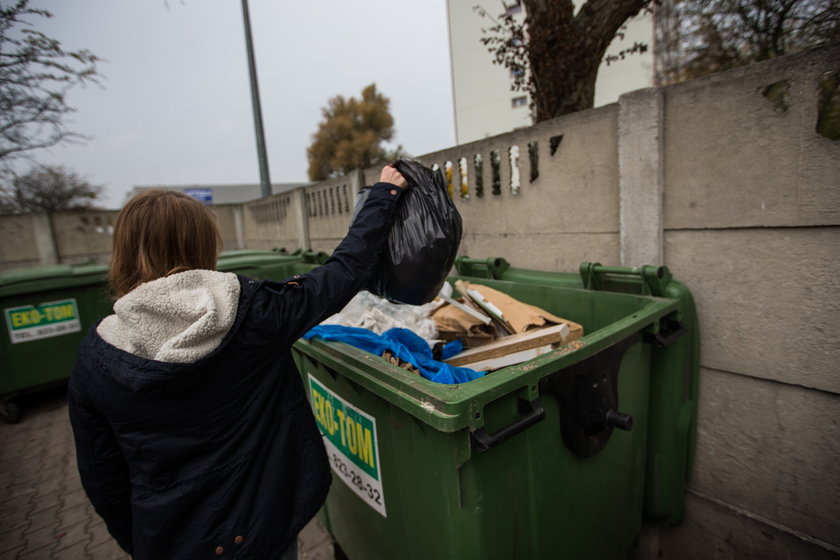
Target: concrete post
<point>45,238</point>
<point>640,171</point>
<point>239,226</point>
<point>357,182</point>
<point>301,212</point>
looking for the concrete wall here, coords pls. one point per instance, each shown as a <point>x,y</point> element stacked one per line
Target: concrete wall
<point>274,221</point>
<point>740,197</point>
<point>79,237</point>
<point>567,214</point>
<point>19,247</point>
<point>231,225</point>
<point>83,236</point>
<point>59,238</point>
<point>751,210</point>
<point>329,209</point>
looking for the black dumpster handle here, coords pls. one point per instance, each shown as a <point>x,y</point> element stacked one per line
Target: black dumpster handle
<point>534,412</point>
<point>675,330</point>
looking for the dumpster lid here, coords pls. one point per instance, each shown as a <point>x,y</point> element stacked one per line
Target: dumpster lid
<point>247,258</point>
<point>19,275</point>
<point>20,280</point>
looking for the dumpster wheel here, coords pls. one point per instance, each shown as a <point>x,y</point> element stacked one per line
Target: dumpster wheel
<point>10,412</point>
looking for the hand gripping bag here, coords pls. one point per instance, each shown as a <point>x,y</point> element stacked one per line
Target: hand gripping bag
<point>423,242</point>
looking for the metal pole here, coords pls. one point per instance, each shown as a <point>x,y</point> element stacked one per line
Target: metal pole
<point>265,182</point>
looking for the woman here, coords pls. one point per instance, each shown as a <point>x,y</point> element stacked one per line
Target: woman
<point>194,437</point>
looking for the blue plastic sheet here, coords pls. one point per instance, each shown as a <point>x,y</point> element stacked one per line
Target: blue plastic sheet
<point>403,344</point>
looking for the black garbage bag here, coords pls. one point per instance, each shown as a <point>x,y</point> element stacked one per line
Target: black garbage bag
<point>422,243</point>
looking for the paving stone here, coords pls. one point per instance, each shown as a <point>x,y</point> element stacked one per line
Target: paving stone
<point>17,501</point>
<point>40,539</point>
<point>7,477</point>
<point>31,453</point>
<point>72,471</point>
<point>49,464</point>
<point>23,474</point>
<point>11,519</point>
<point>47,484</point>
<point>45,501</point>
<point>11,553</point>
<point>109,550</point>
<point>97,532</point>
<point>323,552</point>
<point>42,518</point>
<point>14,443</point>
<point>77,551</point>
<point>12,540</point>
<point>73,499</point>
<point>57,456</point>
<point>67,537</point>
<point>312,536</point>
<point>71,516</point>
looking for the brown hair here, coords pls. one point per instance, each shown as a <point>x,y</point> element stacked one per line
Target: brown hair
<point>159,233</point>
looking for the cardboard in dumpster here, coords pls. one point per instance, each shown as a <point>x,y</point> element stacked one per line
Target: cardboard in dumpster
<point>453,322</point>
<point>521,316</point>
<point>516,332</point>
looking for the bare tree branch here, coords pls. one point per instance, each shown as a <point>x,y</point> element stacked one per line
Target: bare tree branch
<point>47,189</point>
<point>698,37</point>
<point>35,75</point>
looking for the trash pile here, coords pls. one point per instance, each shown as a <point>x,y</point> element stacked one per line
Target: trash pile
<point>450,340</point>
<point>497,330</point>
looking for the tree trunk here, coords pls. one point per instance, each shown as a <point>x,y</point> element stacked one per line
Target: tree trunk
<point>565,50</point>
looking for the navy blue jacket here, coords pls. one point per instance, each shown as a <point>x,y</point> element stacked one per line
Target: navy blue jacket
<point>218,458</point>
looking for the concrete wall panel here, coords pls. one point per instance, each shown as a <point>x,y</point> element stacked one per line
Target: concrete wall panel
<point>734,158</point>
<point>556,252</point>
<point>83,236</point>
<point>640,177</point>
<point>270,222</point>
<point>329,208</point>
<point>227,224</point>
<point>767,299</point>
<point>19,247</point>
<point>576,190</point>
<point>770,449</point>
<point>711,530</point>
<point>819,178</point>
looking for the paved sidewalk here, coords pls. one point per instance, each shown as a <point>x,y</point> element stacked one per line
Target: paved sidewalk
<point>44,513</point>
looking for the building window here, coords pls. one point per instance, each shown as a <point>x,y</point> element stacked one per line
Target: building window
<point>519,101</point>
<point>517,72</point>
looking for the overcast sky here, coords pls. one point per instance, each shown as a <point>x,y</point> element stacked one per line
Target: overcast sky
<point>175,106</point>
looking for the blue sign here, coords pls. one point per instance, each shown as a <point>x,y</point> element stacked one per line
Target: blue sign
<point>202,195</point>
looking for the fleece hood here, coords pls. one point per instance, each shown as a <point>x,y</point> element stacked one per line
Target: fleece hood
<point>176,319</point>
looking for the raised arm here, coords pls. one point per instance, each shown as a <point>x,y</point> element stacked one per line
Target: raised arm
<point>297,305</point>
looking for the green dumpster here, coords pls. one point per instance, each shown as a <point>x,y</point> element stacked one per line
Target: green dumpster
<point>558,457</point>
<point>47,310</point>
<point>277,264</point>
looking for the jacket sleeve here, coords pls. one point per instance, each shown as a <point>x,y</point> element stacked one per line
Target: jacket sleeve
<point>102,468</point>
<point>287,310</point>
